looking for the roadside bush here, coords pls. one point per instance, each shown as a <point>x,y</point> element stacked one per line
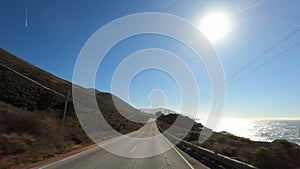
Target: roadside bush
<point>262,156</point>
<point>192,136</point>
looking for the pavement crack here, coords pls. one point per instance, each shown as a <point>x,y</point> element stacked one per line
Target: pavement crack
<point>168,165</point>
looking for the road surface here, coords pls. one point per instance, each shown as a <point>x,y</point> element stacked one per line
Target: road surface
<point>98,158</point>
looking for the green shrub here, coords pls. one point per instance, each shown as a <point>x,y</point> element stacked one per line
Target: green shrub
<point>192,136</point>
<point>261,157</point>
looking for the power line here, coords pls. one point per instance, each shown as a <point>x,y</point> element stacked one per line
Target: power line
<point>264,53</point>
<point>47,88</point>
<point>264,63</point>
<point>256,59</point>
<point>254,70</point>
<point>37,83</point>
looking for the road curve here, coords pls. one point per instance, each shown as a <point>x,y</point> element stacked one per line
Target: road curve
<point>98,158</point>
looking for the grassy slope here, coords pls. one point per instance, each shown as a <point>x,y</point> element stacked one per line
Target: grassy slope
<point>279,154</point>
<point>30,116</point>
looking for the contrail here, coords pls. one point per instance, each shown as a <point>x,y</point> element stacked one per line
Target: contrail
<point>26,15</point>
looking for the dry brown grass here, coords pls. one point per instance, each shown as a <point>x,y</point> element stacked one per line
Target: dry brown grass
<point>32,136</point>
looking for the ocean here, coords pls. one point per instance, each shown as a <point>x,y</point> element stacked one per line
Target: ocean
<point>263,130</point>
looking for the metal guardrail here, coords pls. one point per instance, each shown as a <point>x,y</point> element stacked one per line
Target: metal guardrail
<point>207,156</point>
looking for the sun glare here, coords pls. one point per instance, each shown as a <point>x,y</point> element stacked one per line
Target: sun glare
<point>214,26</point>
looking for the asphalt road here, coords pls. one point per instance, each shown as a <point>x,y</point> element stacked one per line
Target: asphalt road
<point>132,154</point>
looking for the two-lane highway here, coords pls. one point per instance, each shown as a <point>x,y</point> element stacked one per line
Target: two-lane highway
<point>132,154</point>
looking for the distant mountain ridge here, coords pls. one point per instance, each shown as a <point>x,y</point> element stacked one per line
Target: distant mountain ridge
<point>155,110</point>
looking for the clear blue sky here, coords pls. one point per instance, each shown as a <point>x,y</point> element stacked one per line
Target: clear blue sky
<point>57,30</point>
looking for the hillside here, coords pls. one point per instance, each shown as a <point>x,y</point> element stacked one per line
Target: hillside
<point>31,113</point>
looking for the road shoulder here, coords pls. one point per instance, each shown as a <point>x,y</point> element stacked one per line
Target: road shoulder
<point>54,158</point>
<point>196,164</point>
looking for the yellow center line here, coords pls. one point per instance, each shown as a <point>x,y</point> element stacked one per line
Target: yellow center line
<point>134,148</point>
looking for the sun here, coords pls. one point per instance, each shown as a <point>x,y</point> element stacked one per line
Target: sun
<point>214,26</point>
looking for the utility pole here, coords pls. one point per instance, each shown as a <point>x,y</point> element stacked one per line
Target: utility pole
<point>65,109</point>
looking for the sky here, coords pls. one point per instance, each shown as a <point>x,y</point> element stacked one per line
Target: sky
<point>55,31</point>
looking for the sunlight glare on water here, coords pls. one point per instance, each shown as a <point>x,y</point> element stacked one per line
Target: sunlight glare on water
<point>240,127</point>
<point>262,130</point>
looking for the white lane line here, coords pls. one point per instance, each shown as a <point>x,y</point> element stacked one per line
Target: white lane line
<point>56,162</point>
<point>178,152</point>
<point>134,148</point>
<point>68,158</point>
<point>97,146</point>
